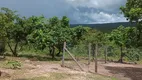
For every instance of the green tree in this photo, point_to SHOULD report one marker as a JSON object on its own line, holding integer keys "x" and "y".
{"x": 133, "y": 12}
{"x": 51, "y": 33}
{"x": 94, "y": 36}
{"x": 9, "y": 28}
{"x": 78, "y": 34}
{"x": 59, "y": 33}
{"x": 15, "y": 29}
{"x": 123, "y": 38}
{"x": 38, "y": 32}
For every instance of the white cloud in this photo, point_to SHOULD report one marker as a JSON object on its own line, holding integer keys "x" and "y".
{"x": 99, "y": 4}
{"x": 99, "y": 17}
{"x": 106, "y": 18}
{"x": 79, "y": 11}
{"x": 98, "y": 11}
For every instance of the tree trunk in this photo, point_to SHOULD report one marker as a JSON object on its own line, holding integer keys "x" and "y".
{"x": 2, "y": 47}
{"x": 139, "y": 34}
{"x": 50, "y": 50}
{"x": 60, "y": 48}
{"x": 15, "y": 49}
{"x": 121, "y": 55}
{"x": 58, "y": 54}
{"x": 14, "y": 52}
{"x": 53, "y": 52}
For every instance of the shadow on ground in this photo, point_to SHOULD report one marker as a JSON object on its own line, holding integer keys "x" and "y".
{"x": 34, "y": 57}
{"x": 40, "y": 58}
{"x": 130, "y": 72}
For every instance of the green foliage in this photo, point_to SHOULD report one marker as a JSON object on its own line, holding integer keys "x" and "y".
{"x": 118, "y": 36}
{"x": 133, "y": 54}
{"x": 124, "y": 37}
{"x": 42, "y": 33}
{"x": 38, "y": 34}
{"x": 93, "y": 36}
{"x": 105, "y": 27}
{"x": 7, "y": 25}
{"x": 6, "y": 20}
{"x": 133, "y": 12}
{"x": 51, "y": 33}
{"x": 37, "y": 31}
{"x": 78, "y": 34}
{"x": 14, "y": 64}
{"x": 14, "y": 28}
{"x": 79, "y": 50}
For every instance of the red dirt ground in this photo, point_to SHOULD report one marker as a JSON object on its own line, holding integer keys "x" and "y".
{"x": 36, "y": 68}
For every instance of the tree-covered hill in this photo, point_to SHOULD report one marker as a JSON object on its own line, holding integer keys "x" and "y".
{"x": 106, "y": 27}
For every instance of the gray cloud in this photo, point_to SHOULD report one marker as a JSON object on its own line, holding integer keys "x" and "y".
{"x": 79, "y": 11}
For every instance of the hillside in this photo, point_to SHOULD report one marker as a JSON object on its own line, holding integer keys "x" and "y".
{"x": 107, "y": 27}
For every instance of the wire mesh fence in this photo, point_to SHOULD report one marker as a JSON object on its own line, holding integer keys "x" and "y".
{"x": 85, "y": 55}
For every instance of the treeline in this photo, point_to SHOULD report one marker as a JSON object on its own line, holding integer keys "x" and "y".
{"x": 106, "y": 27}
{"x": 39, "y": 32}
{"x": 42, "y": 33}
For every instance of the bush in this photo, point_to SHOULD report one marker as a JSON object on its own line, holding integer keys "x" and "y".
{"x": 14, "y": 64}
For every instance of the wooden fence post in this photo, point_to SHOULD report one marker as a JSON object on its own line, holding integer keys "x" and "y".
{"x": 93, "y": 52}
{"x": 96, "y": 62}
{"x": 74, "y": 59}
{"x": 63, "y": 57}
{"x": 89, "y": 53}
{"x": 106, "y": 54}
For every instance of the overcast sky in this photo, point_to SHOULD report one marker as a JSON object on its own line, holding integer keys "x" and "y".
{"x": 79, "y": 11}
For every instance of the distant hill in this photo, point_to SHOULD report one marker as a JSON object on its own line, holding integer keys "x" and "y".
{"x": 106, "y": 27}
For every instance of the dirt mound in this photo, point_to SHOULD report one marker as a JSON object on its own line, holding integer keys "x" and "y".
{"x": 4, "y": 74}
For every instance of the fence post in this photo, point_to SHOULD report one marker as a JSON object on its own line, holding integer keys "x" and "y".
{"x": 89, "y": 53}
{"x": 74, "y": 59}
{"x": 106, "y": 54}
{"x": 63, "y": 57}
{"x": 93, "y": 52}
{"x": 96, "y": 62}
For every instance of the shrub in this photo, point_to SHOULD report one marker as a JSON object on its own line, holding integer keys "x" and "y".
{"x": 14, "y": 64}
